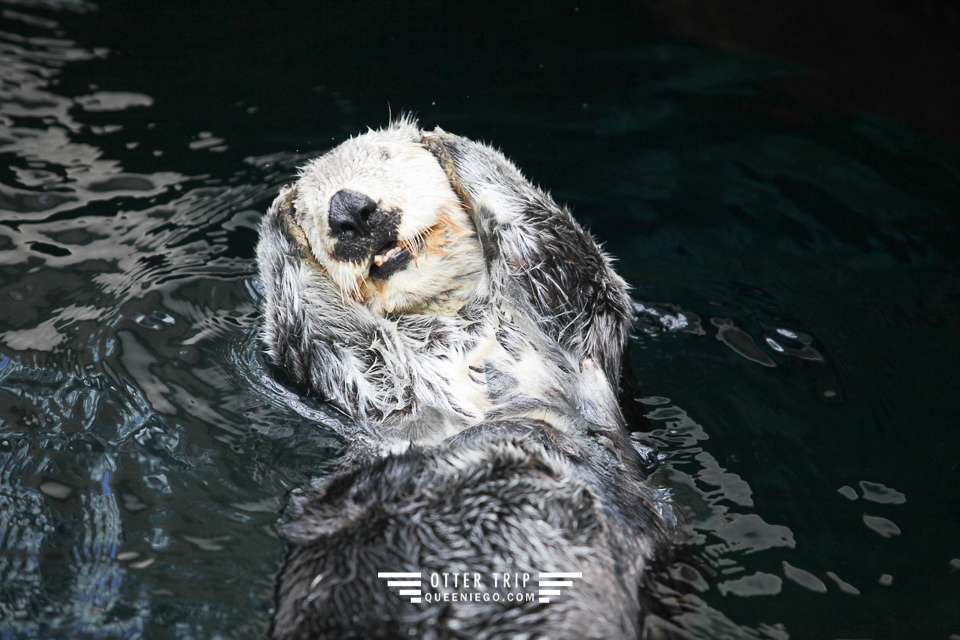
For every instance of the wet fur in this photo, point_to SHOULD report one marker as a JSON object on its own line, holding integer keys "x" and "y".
{"x": 482, "y": 379}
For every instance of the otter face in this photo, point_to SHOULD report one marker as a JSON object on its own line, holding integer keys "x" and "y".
{"x": 380, "y": 216}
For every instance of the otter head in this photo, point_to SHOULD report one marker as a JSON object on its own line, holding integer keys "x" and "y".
{"x": 380, "y": 216}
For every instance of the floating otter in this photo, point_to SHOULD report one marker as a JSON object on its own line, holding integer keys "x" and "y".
{"x": 474, "y": 333}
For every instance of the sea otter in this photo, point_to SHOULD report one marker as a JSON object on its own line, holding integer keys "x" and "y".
{"x": 474, "y": 333}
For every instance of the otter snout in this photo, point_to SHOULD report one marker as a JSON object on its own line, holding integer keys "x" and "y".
{"x": 359, "y": 227}
{"x": 350, "y": 214}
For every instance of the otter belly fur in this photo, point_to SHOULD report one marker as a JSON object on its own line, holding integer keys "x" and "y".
{"x": 474, "y": 333}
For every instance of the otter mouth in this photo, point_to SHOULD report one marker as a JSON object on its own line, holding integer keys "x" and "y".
{"x": 389, "y": 259}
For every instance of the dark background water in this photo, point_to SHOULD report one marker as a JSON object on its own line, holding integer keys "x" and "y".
{"x": 780, "y": 183}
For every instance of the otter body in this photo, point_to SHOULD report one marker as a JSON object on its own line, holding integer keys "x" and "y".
{"x": 474, "y": 332}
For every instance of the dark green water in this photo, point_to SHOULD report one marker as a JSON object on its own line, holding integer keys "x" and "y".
{"x": 797, "y": 265}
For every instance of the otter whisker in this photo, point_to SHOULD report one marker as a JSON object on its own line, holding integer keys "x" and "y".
{"x": 445, "y": 220}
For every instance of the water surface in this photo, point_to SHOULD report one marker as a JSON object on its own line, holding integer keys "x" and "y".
{"x": 796, "y": 269}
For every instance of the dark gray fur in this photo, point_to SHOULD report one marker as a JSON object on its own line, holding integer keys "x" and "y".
{"x": 503, "y": 493}
{"x": 543, "y": 260}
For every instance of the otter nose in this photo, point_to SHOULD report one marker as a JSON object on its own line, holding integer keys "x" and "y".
{"x": 349, "y": 213}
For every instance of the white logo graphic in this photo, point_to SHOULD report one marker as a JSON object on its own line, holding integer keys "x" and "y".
{"x": 409, "y": 583}
{"x": 548, "y": 583}
{"x": 474, "y": 587}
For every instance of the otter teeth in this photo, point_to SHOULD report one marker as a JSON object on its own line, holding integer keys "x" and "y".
{"x": 380, "y": 258}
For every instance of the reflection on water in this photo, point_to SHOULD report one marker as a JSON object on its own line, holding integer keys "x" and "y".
{"x": 136, "y": 499}
{"x": 806, "y": 334}
{"x": 63, "y": 528}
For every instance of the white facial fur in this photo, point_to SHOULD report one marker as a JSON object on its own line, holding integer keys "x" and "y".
{"x": 391, "y": 167}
